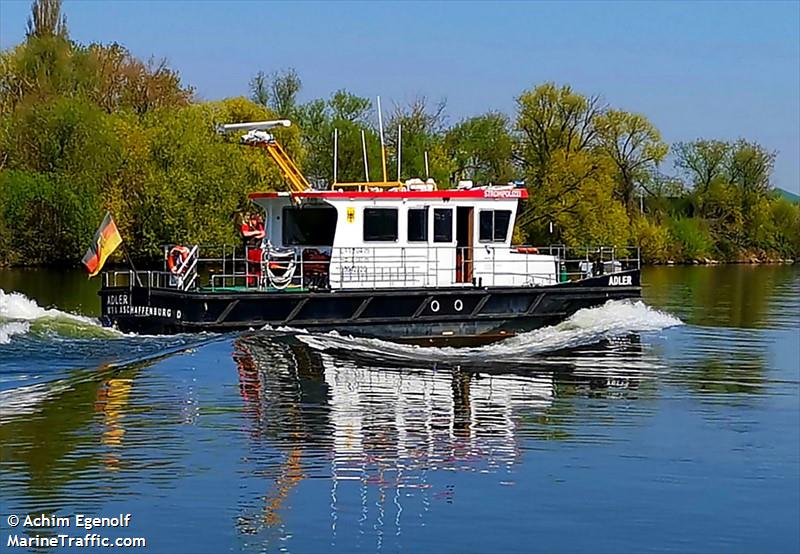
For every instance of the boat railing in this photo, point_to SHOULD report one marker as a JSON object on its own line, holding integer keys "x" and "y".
{"x": 225, "y": 267}
{"x": 581, "y": 262}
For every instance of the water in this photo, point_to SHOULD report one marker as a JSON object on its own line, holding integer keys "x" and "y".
{"x": 663, "y": 426}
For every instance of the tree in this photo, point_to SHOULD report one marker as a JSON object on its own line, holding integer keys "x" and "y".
{"x": 277, "y": 91}
{"x": 349, "y": 115}
{"x": 422, "y": 128}
{"x": 703, "y": 161}
{"x": 750, "y": 167}
{"x": 259, "y": 89}
{"x": 349, "y": 107}
{"x": 121, "y": 81}
{"x": 550, "y": 119}
{"x": 480, "y": 149}
{"x": 46, "y": 20}
{"x": 634, "y": 144}
{"x": 577, "y": 198}
{"x": 556, "y": 138}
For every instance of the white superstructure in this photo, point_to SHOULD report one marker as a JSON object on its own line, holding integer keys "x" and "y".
{"x": 408, "y": 238}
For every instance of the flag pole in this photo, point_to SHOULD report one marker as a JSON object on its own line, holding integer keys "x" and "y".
{"x": 130, "y": 261}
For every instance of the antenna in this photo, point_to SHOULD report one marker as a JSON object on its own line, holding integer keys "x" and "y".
{"x": 399, "y": 149}
{"x": 253, "y": 126}
{"x": 427, "y": 169}
{"x": 335, "y": 154}
{"x": 383, "y": 144}
{"x": 364, "y": 148}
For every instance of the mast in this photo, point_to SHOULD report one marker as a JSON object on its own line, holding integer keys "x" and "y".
{"x": 335, "y": 155}
{"x": 399, "y": 149}
{"x": 364, "y": 148}
{"x": 383, "y": 144}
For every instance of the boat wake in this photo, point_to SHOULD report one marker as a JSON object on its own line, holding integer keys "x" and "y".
{"x": 586, "y": 327}
{"x": 19, "y": 315}
{"x": 40, "y": 345}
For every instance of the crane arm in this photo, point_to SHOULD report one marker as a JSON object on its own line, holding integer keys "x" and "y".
{"x": 257, "y": 135}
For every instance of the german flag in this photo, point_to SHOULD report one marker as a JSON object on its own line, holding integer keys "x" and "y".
{"x": 106, "y": 240}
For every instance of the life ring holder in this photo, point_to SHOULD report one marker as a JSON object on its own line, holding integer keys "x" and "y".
{"x": 176, "y": 259}
{"x": 273, "y": 259}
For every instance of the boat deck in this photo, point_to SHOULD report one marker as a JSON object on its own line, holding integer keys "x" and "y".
{"x": 245, "y": 288}
{"x": 226, "y": 270}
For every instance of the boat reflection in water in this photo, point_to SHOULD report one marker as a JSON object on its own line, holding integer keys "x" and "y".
{"x": 385, "y": 432}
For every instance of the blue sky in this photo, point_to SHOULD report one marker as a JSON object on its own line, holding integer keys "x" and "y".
{"x": 696, "y": 69}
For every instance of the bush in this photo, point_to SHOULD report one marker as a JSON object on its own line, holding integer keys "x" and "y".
{"x": 653, "y": 239}
{"x": 691, "y": 239}
{"x": 46, "y": 220}
{"x": 785, "y": 217}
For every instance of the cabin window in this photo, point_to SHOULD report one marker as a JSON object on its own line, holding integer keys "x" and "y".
{"x": 418, "y": 225}
{"x": 380, "y": 224}
{"x": 443, "y": 225}
{"x": 493, "y": 225}
{"x": 309, "y": 226}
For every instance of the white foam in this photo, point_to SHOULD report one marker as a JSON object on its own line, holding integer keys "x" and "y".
{"x": 17, "y": 306}
{"x": 20, "y": 315}
{"x": 11, "y": 328}
{"x": 585, "y": 327}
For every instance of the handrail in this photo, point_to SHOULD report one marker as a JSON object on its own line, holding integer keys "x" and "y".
{"x": 388, "y": 266}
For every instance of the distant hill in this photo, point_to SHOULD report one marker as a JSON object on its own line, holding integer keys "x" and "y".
{"x": 790, "y": 196}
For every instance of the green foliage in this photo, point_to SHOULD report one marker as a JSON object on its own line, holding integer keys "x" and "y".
{"x": 576, "y": 196}
{"x": 84, "y": 129}
{"x": 349, "y": 115}
{"x": 635, "y": 147}
{"x": 551, "y": 119}
{"x": 44, "y": 219}
{"x": 66, "y": 135}
{"x": 785, "y": 217}
{"x": 46, "y": 19}
{"x": 423, "y": 127}
{"x": 703, "y": 161}
{"x": 277, "y": 91}
{"x": 691, "y": 239}
{"x": 653, "y": 239}
{"x": 480, "y": 149}
{"x": 186, "y": 184}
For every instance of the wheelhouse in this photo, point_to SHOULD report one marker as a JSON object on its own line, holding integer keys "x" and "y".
{"x": 406, "y": 238}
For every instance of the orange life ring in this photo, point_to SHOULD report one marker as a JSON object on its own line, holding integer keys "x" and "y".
{"x": 177, "y": 255}
{"x": 527, "y": 250}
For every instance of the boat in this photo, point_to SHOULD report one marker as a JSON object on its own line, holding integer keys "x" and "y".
{"x": 398, "y": 260}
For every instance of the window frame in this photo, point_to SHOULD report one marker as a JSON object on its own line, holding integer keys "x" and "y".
{"x": 380, "y": 209}
{"x": 450, "y": 232}
{"x": 425, "y": 216}
{"x": 494, "y": 238}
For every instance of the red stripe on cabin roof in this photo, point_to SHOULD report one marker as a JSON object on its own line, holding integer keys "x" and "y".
{"x": 491, "y": 194}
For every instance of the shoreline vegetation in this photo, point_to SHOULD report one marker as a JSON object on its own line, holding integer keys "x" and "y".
{"x": 90, "y": 128}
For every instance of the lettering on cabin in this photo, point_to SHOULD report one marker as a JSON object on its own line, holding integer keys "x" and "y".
{"x": 506, "y": 193}
{"x": 620, "y": 280}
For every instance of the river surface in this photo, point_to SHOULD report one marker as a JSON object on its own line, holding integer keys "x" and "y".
{"x": 668, "y": 425}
